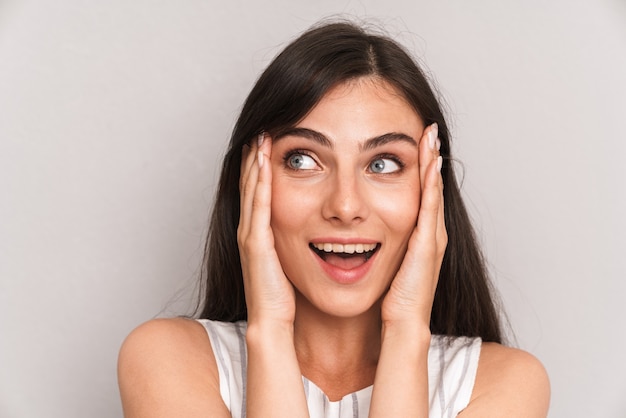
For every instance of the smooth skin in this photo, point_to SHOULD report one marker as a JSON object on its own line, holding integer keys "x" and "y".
{"x": 343, "y": 337}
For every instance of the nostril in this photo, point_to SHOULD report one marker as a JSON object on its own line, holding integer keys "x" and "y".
{"x": 345, "y": 201}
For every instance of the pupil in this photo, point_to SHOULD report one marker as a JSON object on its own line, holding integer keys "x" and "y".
{"x": 378, "y": 166}
{"x": 296, "y": 161}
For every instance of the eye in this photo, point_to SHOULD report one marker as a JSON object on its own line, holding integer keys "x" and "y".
{"x": 384, "y": 166}
{"x": 298, "y": 161}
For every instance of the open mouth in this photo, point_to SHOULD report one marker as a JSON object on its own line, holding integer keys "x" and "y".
{"x": 345, "y": 256}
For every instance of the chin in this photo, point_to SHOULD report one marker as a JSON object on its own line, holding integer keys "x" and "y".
{"x": 341, "y": 303}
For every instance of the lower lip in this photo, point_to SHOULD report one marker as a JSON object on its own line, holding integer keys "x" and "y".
{"x": 343, "y": 276}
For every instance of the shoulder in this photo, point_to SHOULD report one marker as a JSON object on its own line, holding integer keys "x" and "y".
{"x": 179, "y": 327}
{"x": 176, "y": 339}
{"x": 510, "y": 381}
{"x": 165, "y": 365}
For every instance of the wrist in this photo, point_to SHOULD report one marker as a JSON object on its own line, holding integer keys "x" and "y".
{"x": 259, "y": 331}
{"x": 408, "y": 331}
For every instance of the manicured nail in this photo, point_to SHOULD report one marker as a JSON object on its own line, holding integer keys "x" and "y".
{"x": 261, "y": 138}
{"x": 432, "y": 135}
{"x": 439, "y": 163}
{"x": 438, "y": 144}
{"x": 260, "y": 157}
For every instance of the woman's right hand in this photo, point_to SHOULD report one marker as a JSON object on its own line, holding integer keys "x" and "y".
{"x": 274, "y": 382}
{"x": 269, "y": 294}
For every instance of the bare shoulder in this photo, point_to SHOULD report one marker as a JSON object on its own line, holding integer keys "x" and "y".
{"x": 166, "y": 368}
{"x": 177, "y": 340}
{"x": 509, "y": 383}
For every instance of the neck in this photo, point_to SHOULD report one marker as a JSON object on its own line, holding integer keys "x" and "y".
{"x": 338, "y": 354}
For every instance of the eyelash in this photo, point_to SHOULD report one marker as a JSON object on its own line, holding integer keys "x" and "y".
{"x": 287, "y": 156}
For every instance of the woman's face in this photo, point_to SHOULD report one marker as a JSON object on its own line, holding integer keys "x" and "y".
{"x": 345, "y": 195}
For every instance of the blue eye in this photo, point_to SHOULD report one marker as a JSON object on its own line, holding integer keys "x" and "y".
{"x": 384, "y": 166}
{"x": 300, "y": 162}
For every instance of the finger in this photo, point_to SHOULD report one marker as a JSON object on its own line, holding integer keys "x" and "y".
{"x": 428, "y": 228}
{"x": 442, "y": 233}
{"x": 244, "y": 170}
{"x": 247, "y": 196}
{"x": 262, "y": 199}
{"x": 247, "y": 186}
{"x": 421, "y": 263}
{"x": 247, "y": 160}
{"x": 441, "y": 224}
{"x": 428, "y": 146}
{"x": 429, "y": 213}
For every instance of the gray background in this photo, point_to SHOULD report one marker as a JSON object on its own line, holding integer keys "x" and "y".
{"x": 114, "y": 116}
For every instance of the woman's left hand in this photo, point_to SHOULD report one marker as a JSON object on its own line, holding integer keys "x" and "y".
{"x": 411, "y": 294}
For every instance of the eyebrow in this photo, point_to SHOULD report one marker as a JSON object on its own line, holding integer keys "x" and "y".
{"x": 378, "y": 141}
{"x": 369, "y": 144}
{"x": 305, "y": 133}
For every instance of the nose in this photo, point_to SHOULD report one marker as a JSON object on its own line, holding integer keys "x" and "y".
{"x": 345, "y": 201}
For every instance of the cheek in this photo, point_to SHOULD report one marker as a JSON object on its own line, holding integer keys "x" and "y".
{"x": 399, "y": 209}
{"x": 291, "y": 208}
{"x": 292, "y": 211}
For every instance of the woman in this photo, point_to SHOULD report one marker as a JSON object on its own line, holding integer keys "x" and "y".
{"x": 342, "y": 277}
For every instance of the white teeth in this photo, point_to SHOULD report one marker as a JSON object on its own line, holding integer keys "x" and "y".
{"x": 344, "y": 248}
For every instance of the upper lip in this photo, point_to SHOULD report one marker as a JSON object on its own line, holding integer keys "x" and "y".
{"x": 337, "y": 240}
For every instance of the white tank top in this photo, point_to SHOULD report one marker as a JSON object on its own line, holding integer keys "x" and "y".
{"x": 452, "y": 364}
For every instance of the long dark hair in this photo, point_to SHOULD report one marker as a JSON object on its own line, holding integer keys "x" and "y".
{"x": 290, "y": 87}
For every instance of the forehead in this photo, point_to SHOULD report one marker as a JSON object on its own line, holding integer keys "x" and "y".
{"x": 363, "y": 108}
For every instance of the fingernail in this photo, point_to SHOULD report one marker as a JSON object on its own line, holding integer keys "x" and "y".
{"x": 432, "y": 135}
{"x": 260, "y": 157}
{"x": 438, "y": 144}
{"x": 439, "y": 163}
{"x": 261, "y": 138}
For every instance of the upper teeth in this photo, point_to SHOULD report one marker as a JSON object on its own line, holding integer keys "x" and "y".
{"x": 344, "y": 248}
